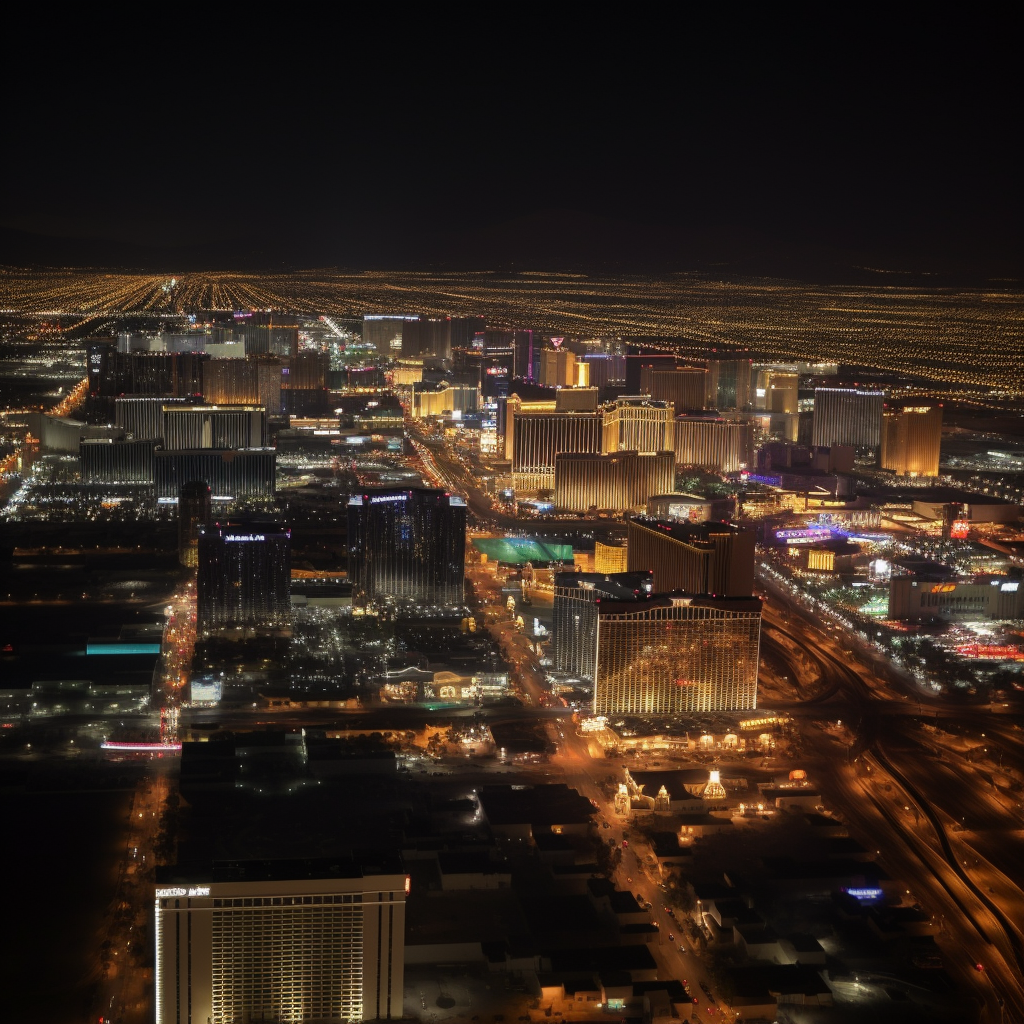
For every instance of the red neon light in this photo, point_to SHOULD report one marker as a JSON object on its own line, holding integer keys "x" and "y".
{"x": 993, "y": 651}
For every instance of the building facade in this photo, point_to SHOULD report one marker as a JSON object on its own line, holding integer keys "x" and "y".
{"x": 698, "y": 558}
{"x": 176, "y": 374}
{"x": 427, "y": 337}
{"x": 250, "y": 381}
{"x": 244, "y": 580}
{"x": 407, "y": 545}
{"x": 777, "y": 391}
{"x": 558, "y": 368}
{"x": 609, "y": 558}
{"x": 686, "y": 387}
{"x": 230, "y": 473}
{"x": 384, "y": 332}
{"x": 639, "y": 424}
{"x": 847, "y": 416}
{"x": 141, "y": 417}
{"x": 532, "y": 439}
{"x": 733, "y": 383}
{"x": 676, "y": 654}
{"x": 959, "y": 600}
{"x": 103, "y": 461}
{"x": 911, "y": 439}
{"x": 710, "y": 442}
{"x": 575, "y": 613}
{"x": 284, "y": 941}
{"x": 619, "y": 482}
{"x": 430, "y": 400}
{"x": 214, "y": 426}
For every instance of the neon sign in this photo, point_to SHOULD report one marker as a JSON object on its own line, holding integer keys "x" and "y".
{"x": 195, "y": 890}
{"x": 805, "y": 536}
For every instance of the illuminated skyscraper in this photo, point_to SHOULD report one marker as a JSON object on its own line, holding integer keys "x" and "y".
{"x": 532, "y": 439}
{"x": 430, "y": 400}
{"x": 213, "y": 426}
{"x": 676, "y": 653}
{"x": 384, "y": 332}
{"x": 142, "y": 416}
{"x": 609, "y": 558}
{"x": 619, "y": 482}
{"x": 497, "y": 363}
{"x": 104, "y": 461}
{"x": 527, "y": 346}
{"x": 639, "y": 424}
{"x": 698, "y": 558}
{"x": 255, "y": 380}
{"x": 711, "y": 442}
{"x": 575, "y": 613}
{"x": 911, "y": 439}
{"x": 847, "y": 416}
{"x": 244, "y": 580}
{"x": 231, "y": 473}
{"x": 558, "y": 368}
{"x": 280, "y": 941}
{"x": 407, "y": 545}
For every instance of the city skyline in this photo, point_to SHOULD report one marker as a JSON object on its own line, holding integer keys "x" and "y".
{"x": 512, "y": 516}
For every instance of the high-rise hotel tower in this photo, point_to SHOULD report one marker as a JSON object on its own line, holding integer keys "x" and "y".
{"x": 407, "y": 544}
{"x": 847, "y": 416}
{"x": 283, "y": 941}
{"x": 676, "y": 653}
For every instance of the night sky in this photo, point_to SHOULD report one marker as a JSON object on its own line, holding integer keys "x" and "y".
{"x": 606, "y": 138}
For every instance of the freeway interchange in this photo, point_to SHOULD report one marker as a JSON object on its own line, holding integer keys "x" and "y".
{"x": 924, "y": 804}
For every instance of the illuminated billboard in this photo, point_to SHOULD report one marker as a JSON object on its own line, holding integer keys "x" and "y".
{"x": 206, "y": 690}
{"x": 807, "y": 535}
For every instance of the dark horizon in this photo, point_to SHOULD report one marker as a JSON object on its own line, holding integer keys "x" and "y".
{"x": 836, "y": 153}
{"x": 585, "y": 245}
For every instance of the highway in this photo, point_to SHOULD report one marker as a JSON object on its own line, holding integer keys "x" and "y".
{"x": 882, "y": 778}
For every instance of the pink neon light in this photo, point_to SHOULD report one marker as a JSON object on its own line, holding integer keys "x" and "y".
{"x": 155, "y": 748}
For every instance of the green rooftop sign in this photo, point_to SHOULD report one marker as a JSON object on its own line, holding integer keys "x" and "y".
{"x": 520, "y": 550}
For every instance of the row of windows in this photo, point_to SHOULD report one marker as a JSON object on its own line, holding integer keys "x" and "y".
{"x": 286, "y": 901}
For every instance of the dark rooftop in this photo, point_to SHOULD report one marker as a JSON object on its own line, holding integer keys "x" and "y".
{"x": 604, "y": 958}
{"x": 357, "y": 866}
{"x": 551, "y": 804}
